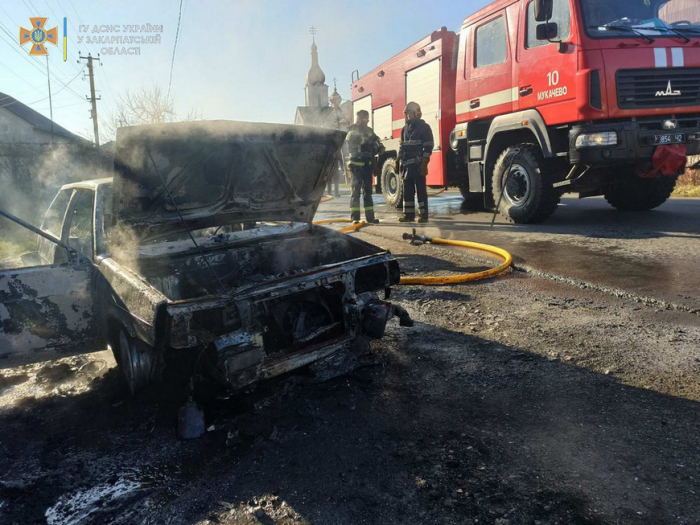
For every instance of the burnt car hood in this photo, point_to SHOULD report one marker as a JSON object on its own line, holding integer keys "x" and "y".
{"x": 210, "y": 173}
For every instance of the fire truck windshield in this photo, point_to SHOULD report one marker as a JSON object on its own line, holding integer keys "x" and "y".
{"x": 641, "y": 18}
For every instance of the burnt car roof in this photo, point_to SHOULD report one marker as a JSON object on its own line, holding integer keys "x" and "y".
{"x": 209, "y": 173}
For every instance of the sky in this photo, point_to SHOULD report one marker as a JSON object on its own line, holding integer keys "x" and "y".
{"x": 237, "y": 60}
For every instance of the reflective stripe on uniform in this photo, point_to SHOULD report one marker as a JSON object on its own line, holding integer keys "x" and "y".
{"x": 416, "y": 142}
{"x": 408, "y": 162}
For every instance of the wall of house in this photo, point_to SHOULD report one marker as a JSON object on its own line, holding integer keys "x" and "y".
{"x": 14, "y": 129}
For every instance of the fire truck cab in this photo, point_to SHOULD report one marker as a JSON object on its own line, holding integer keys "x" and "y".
{"x": 551, "y": 96}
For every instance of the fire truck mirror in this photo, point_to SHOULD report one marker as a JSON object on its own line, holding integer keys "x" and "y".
{"x": 543, "y": 10}
{"x": 548, "y": 31}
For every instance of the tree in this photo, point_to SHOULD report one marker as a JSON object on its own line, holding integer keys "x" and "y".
{"x": 147, "y": 105}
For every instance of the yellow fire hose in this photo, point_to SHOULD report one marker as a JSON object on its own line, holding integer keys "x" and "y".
{"x": 436, "y": 280}
{"x": 347, "y": 229}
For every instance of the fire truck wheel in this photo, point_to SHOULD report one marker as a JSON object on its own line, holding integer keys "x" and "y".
{"x": 528, "y": 194}
{"x": 634, "y": 193}
{"x": 392, "y": 187}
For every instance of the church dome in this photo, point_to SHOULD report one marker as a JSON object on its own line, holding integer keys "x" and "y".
{"x": 335, "y": 98}
{"x": 315, "y": 74}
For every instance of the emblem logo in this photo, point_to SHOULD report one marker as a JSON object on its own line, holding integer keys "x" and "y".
{"x": 38, "y": 35}
{"x": 670, "y": 92}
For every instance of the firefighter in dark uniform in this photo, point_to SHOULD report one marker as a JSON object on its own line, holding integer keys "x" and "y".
{"x": 363, "y": 145}
{"x": 414, "y": 156}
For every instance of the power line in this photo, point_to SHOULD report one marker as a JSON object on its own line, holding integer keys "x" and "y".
{"x": 45, "y": 98}
{"x": 172, "y": 61}
{"x": 17, "y": 25}
{"x": 34, "y": 64}
{"x": 76, "y": 12}
{"x": 73, "y": 58}
{"x": 33, "y": 8}
{"x": 21, "y": 78}
{"x": 66, "y": 106}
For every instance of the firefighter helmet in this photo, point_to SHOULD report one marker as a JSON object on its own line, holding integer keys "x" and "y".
{"x": 413, "y": 107}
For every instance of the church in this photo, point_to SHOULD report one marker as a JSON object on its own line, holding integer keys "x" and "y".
{"x": 322, "y": 111}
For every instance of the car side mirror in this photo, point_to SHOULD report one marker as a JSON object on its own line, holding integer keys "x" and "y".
{"x": 549, "y": 31}
{"x": 543, "y": 10}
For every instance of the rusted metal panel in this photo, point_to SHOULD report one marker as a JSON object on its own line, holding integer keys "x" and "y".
{"x": 45, "y": 308}
{"x": 128, "y": 299}
{"x": 219, "y": 172}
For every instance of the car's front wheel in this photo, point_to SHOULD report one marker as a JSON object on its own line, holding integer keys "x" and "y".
{"x": 137, "y": 360}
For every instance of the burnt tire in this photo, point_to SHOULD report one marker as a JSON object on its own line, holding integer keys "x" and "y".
{"x": 392, "y": 186}
{"x": 528, "y": 192}
{"x": 634, "y": 193}
{"x": 138, "y": 362}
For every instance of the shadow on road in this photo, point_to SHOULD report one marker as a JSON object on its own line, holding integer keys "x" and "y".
{"x": 592, "y": 218}
{"x": 443, "y": 427}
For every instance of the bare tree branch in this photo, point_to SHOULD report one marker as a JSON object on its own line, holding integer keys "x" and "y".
{"x": 147, "y": 105}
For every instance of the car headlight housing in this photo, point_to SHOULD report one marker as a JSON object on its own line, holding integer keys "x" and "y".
{"x": 593, "y": 140}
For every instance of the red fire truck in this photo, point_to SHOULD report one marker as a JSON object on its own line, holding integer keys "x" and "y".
{"x": 535, "y": 98}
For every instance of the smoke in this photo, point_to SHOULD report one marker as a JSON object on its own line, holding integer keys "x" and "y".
{"x": 32, "y": 174}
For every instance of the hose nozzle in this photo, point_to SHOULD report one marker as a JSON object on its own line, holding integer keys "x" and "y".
{"x": 415, "y": 238}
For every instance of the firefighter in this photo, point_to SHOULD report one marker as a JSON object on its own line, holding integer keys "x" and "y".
{"x": 414, "y": 156}
{"x": 363, "y": 145}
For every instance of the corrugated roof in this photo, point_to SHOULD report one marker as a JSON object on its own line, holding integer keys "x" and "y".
{"x": 36, "y": 119}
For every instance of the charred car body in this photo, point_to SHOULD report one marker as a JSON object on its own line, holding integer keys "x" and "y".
{"x": 201, "y": 246}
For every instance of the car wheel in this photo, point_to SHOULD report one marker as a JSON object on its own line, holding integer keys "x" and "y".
{"x": 392, "y": 185}
{"x": 136, "y": 360}
{"x": 528, "y": 193}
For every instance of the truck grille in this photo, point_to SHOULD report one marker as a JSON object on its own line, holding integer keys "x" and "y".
{"x": 658, "y": 88}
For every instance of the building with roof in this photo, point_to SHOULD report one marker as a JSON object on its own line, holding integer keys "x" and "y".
{"x": 38, "y": 156}
{"x": 20, "y": 124}
{"x": 322, "y": 111}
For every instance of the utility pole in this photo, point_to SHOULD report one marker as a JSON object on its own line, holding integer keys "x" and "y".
{"x": 48, "y": 76}
{"x": 92, "y": 97}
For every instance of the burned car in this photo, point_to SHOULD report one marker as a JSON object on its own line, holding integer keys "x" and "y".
{"x": 201, "y": 247}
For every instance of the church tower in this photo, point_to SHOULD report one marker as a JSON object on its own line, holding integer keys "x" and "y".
{"x": 316, "y": 88}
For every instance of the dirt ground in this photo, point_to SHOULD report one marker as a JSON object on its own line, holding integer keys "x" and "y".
{"x": 520, "y": 400}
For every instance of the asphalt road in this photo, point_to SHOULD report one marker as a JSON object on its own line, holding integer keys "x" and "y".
{"x": 650, "y": 254}
{"x": 529, "y": 398}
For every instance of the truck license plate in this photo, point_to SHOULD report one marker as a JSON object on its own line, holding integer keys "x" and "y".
{"x": 671, "y": 138}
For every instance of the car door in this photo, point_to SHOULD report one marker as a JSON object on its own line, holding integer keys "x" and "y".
{"x": 46, "y": 307}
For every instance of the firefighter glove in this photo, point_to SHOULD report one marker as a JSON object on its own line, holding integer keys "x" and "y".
{"x": 424, "y": 167}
